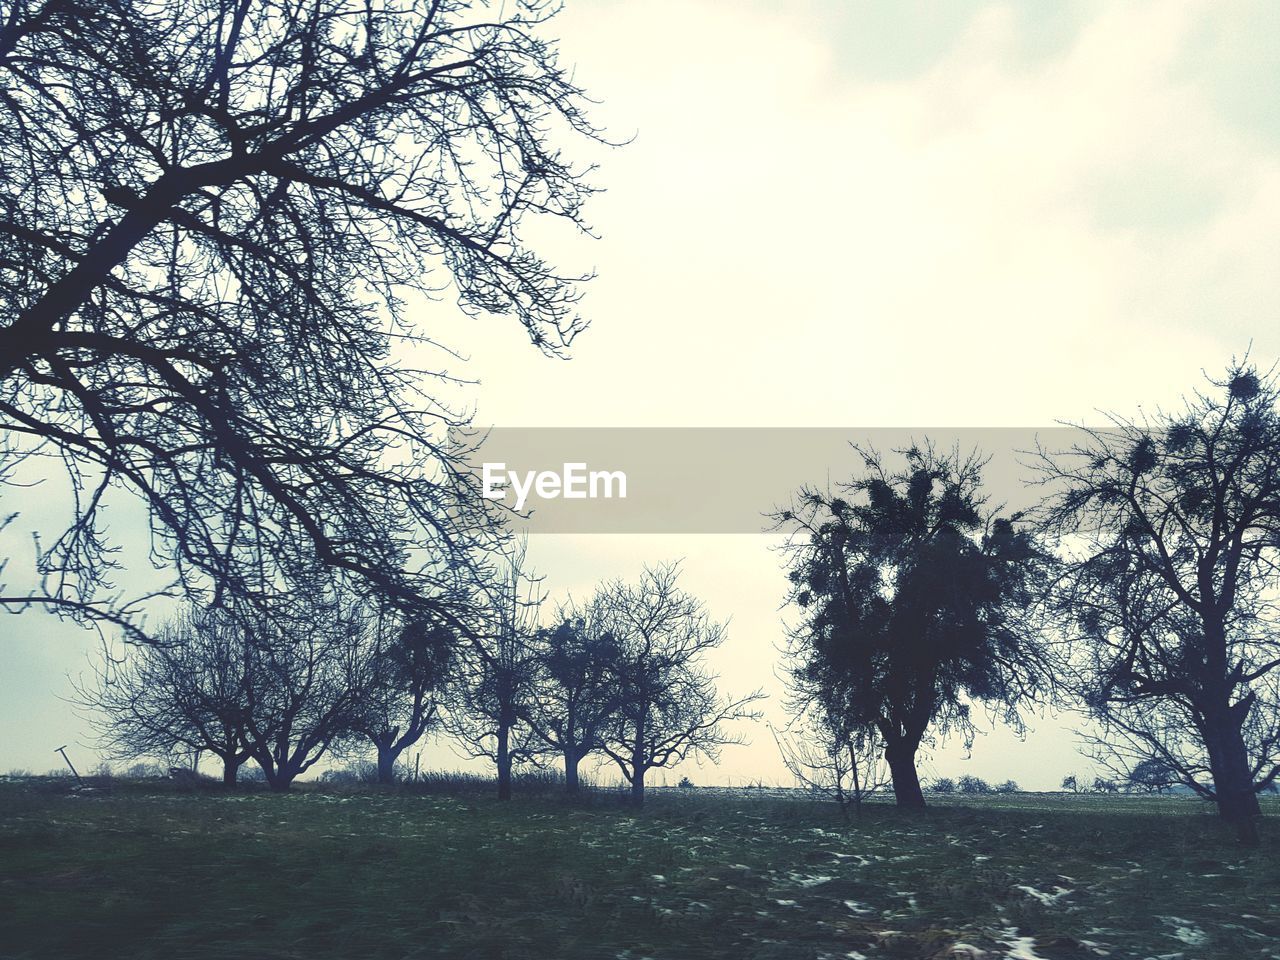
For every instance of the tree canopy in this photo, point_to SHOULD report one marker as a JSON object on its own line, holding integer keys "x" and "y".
{"x": 215, "y": 214}
{"x": 1171, "y": 530}
{"x": 915, "y": 603}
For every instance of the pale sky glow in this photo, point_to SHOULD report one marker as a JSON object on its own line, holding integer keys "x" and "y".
{"x": 856, "y": 214}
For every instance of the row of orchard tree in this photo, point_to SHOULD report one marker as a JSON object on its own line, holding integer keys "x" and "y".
{"x": 1143, "y": 587}
{"x": 323, "y": 671}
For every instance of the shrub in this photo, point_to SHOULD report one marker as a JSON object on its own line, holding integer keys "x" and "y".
{"x": 1152, "y": 775}
{"x": 1009, "y": 786}
{"x": 972, "y": 784}
{"x": 145, "y": 771}
{"x": 943, "y": 785}
{"x": 358, "y": 772}
{"x": 686, "y": 783}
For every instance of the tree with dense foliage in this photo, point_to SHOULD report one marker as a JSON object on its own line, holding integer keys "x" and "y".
{"x": 1151, "y": 776}
{"x": 668, "y": 706}
{"x": 1171, "y": 525}
{"x": 915, "y": 602}
{"x": 573, "y": 696}
{"x": 215, "y": 217}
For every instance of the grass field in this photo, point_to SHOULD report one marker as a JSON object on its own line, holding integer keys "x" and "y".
{"x": 143, "y": 870}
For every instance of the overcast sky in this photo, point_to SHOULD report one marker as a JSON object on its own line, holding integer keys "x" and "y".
{"x": 858, "y": 215}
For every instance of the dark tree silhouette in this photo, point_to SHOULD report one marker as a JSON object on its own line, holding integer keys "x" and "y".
{"x": 914, "y": 603}
{"x": 403, "y": 670}
{"x": 573, "y": 696}
{"x": 668, "y": 706}
{"x": 1172, "y": 527}
{"x": 1151, "y": 776}
{"x": 186, "y": 692}
{"x": 303, "y": 676}
{"x": 213, "y": 214}
{"x": 488, "y": 700}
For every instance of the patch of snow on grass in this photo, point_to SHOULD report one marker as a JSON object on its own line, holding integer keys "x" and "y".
{"x": 1020, "y": 948}
{"x": 1048, "y": 899}
{"x": 802, "y": 880}
{"x": 1186, "y": 931}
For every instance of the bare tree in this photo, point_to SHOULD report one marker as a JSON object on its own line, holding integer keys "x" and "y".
{"x": 403, "y": 669}
{"x": 828, "y": 758}
{"x": 214, "y": 214}
{"x": 188, "y": 691}
{"x": 668, "y": 706}
{"x": 488, "y": 699}
{"x": 1139, "y": 747}
{"x": 1172, "y": 525}
{"x": 303, "y": 677}
{"x": 573, "y": 697}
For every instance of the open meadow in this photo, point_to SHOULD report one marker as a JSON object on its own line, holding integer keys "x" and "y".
{"x": 145, "y": 869}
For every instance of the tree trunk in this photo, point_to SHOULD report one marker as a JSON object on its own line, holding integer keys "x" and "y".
{"x": 279, "y": 776}
{"x": 230, "y": 767}
{"x": 1232, "y": 781}
{"x": 504, "y": 762}
{"x": 638, "y": 767}
{"x": 900, "y": 754}
{"x": 857, "y": 785}
{"x": 637, "y": 787}
{"x": 571, "y": 759}
{"x": 386, "y": 764}
{"x": 279, "y": 782}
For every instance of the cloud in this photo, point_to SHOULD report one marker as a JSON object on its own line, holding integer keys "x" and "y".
{"x": 790, "y": 241}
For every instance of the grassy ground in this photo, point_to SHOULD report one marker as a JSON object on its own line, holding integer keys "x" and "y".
{"x": 146, "y": 871}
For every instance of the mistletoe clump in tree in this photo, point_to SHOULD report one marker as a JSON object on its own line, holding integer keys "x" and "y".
{"x": 1171, "y": 526}
{"x": 916, "y": 602}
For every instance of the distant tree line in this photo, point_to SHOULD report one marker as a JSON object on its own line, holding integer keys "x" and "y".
{"x": 622, "y": 677}
{"x": 1143, "y": 588}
